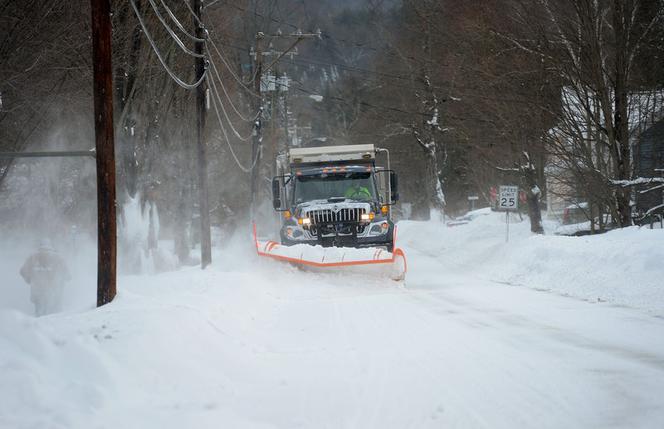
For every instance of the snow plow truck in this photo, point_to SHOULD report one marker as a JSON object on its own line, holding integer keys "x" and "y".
{"x": 335, "y": 204}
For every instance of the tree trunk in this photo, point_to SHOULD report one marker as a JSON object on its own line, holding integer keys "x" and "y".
{"x": 533, "y": 194}
{"x": 621, "y": 120}
{"x": 433, "y": 183}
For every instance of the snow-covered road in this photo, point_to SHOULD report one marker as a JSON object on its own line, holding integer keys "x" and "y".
{"x": 258, "y": 344}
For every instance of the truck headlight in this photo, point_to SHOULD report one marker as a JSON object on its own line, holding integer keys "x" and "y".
{"x": 304, "y": 221}
{"x": 367, "y": 217}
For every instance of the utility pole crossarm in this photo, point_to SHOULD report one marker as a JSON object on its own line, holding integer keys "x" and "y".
{"x": 282, "y": 54}
{"x": 298, "y": 34}
{"x": 56, "y": 154}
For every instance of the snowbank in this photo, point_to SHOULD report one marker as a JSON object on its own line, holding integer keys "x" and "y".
{"x": 623, "y": 267}
{"x": 152, "y": 358}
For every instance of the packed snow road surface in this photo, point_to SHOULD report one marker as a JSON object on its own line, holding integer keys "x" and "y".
{"x": 269, "y": 346}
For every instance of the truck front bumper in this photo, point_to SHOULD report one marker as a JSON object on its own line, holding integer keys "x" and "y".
{"x": 342, "y": 240}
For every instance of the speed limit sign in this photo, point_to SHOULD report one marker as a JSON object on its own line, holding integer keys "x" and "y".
{"x": 508, "y": 198}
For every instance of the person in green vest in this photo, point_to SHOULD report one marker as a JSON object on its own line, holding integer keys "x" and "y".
{"x": 358, "y": 192}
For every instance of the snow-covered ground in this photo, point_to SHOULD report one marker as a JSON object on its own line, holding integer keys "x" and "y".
{"x": 480, "y": 335}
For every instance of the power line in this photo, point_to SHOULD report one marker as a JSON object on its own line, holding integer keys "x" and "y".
{"x": 218, "y": 50}
{"x": 177, "y": 23}
{"x": 357, "y": 69}
{"x": 360, "y": 70}
{"x": 348, "y": 68}
{"x": 366, "y": 104}
{"x": 326, "y": 36}
{"x": 172, "y": 33}
{"x": 364, "y": 71}
{"x": 223, "y": 109}
{"x": 264, "y": 17}
{"x": 390, "y": 108}
{"x": 342, "y": 66}
{"x": 228, "y": 143}
{"x": 223, "y": 87}
{"x": 348, "y": 42}
{"x": 173, "y": 76}
{"x": 198, "y": 20}
{"x": 230, "y": 69}
{"x": 395, "y": 109}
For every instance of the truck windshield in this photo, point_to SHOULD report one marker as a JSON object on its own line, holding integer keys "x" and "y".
{"x": 355, "y": 186}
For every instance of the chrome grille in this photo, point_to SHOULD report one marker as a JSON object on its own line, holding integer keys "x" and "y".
{"x": 327, "y": 216}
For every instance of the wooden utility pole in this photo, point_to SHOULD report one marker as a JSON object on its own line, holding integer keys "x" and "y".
{"x": 206, "y": 242}
{"x": 258, "y": 134}
{"x": 104, "y": 145}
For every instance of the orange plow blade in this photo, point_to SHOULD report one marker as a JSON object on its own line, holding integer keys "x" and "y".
{"x": 372, "y": 260}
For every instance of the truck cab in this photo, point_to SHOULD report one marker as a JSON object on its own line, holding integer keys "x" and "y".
{"x": 336, "y": 196}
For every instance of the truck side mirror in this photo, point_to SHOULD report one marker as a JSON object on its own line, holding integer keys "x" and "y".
{"x": 276, "y": 194}
{"x": 394, "y": 187}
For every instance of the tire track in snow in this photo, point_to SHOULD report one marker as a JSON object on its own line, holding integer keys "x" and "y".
{"x": 500, "y": 320}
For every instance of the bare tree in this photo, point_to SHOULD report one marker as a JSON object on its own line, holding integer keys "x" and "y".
{"x": 595, "y": 46}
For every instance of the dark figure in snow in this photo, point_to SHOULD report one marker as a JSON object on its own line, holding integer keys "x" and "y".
{"x": 46, "y": 273}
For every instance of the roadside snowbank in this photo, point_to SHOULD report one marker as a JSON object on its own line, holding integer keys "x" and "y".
{"x": 170, "y": 344}
{"x": 623, "y": 267}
